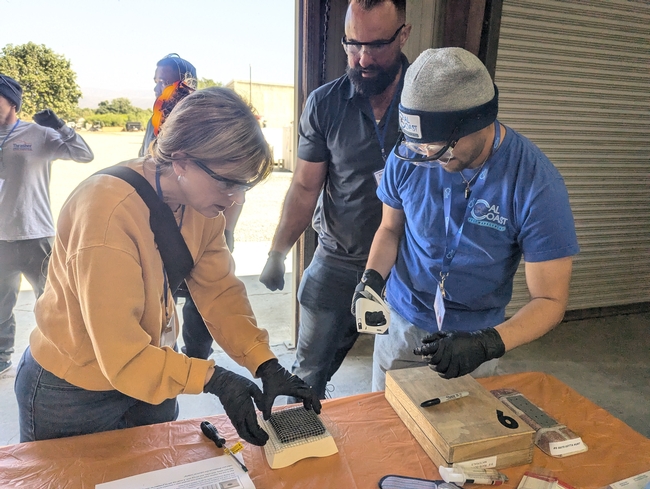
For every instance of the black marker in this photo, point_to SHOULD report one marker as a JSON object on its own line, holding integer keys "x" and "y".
{"x": 440, "y": 400}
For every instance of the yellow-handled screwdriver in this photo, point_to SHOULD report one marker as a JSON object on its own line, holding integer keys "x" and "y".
{"x": 211, "y": 432}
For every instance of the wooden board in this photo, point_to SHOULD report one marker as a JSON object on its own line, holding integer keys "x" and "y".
{"x": 462, "y": 430}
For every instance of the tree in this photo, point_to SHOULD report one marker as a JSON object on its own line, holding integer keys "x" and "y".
{"x": 116, "y": 106}
{"x": 46, "y": 77}
{"x": 207, "y": 82}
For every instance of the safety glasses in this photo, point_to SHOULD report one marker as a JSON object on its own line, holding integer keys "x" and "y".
{"x": 226, "y": 185}
{"x": 372, "y": 48}
{"x": 425, "y": 154}
{"x": 170, "y": 96}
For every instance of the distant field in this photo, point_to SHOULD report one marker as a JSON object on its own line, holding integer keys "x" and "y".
{"x": 259, "y": 216}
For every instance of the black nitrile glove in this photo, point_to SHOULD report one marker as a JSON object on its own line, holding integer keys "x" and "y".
{"x": 235, "y": 393}
{"x": 273, "y": 274}
{"x": 276, "y": 381}
{"x": 47, "y": 118}
{"x": 370, "y": 278}
{"x": 230, "y": 239}
{"x": 457, "y": 353}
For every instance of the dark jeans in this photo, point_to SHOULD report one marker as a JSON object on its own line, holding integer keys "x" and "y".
{"x": 197, "y": 338}
{"x": 29, "y": 257}
{"x": 327, "y": 327}
{"x": 50, "y": 407}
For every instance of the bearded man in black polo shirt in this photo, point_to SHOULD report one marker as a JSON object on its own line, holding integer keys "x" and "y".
{"x": 346, "y": 130}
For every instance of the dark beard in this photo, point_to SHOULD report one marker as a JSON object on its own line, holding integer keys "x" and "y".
{"x": 378, "y": 83}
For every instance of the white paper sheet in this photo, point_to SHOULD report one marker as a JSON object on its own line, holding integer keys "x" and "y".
{"x": 213, "y": 473}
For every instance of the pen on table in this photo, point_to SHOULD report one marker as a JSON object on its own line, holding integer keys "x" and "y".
{"x": 211, "y": 432}
{"x": 439, "y": 400}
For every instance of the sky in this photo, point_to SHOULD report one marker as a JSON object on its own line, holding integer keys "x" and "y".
{"x": 113, "y": 45}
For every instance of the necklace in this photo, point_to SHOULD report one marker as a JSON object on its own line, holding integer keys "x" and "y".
{"x": 468, "y": 191}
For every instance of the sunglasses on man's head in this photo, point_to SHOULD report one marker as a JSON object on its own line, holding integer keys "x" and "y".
{"x": 170, "y": 96}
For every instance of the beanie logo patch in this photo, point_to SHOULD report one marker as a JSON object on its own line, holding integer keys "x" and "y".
{"x": 410, "y": 125}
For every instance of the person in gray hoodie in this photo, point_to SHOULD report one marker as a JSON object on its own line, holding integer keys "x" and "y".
{"x": 27, "y": 151}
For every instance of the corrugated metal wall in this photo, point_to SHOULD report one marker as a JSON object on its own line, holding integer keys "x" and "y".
{"x": 574, "y": 77}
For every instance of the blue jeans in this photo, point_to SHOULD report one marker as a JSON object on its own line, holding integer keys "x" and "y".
{"x": 29, "y": 257}
{"x": 327, "y": 327}
{"x": 50, "y": 407}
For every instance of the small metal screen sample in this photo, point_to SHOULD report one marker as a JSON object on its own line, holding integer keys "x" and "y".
{"x": 535, "y": 413}
{"x": 295, "y": 424}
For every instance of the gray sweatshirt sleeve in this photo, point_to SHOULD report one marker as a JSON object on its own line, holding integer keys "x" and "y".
{"x": 66, "y": 144}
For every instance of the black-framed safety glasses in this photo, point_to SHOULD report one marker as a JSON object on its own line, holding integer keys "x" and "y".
{"x": 425, "y": 153}
{"x": 373, "y": 47}
{"x": 228, "y": 186}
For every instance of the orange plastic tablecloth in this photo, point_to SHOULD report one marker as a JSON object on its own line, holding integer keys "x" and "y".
{"x": 372, "y": 442}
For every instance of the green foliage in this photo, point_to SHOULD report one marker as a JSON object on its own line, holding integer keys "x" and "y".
{"x": 207, "y": 82}
{"x": 115, "y": 113}
{"x": 116, "y": 106}
{"x": 46, "y": 77}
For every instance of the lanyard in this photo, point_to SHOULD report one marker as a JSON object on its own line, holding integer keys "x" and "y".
{"x": 180, "y": 225}
{"x": 454, "y": 240}
{"x": 7, "y": 136}
{"x": 381, "y": 135}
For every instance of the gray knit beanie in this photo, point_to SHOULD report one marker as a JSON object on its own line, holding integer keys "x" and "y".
{"x": 448, "y": 93}
{"x": 11, "y": 90}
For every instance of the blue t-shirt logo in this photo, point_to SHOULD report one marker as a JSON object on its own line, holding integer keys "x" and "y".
{"x": 484, "y": 214}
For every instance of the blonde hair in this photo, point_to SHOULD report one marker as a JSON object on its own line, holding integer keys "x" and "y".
{"x": 216, "y": 127}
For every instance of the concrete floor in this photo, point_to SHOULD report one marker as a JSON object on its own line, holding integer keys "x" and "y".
{"x": 606, "y": 360}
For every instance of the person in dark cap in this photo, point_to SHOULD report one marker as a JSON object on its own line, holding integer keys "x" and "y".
{"x": 26, "y": 224}
{"x": 169, "y": 70}
{"x": 464, "y": 198}
{"x": 175, "y": 78}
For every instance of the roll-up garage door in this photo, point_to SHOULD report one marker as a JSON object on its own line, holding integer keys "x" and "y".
{"x": 574, "y": 77}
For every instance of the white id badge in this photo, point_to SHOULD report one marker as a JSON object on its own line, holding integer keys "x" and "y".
{"x": 378, "y": 174}
{"x": 2, "y": 183}
{"x": 169, "y": 333}
{"x": 439, "y": 308}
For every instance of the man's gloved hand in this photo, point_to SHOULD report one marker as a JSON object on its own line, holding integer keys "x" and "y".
{"x": 457, "y": 353}
{"x": 273, "y": 274}
{"x": 276, "y": 381}
{"x": 47, "y": 118}
{"x": 230, "y": 239}
{"x": 370, "y": 278}
{"x": 235, "y": 393}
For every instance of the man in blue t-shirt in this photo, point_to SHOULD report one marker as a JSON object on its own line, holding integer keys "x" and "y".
{"x": 464, "y": 198}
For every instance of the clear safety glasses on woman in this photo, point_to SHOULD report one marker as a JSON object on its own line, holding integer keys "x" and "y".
{"x": 226, "y": 185}
{"x": 372, "y": 48}
{"x": 430, "y": 155}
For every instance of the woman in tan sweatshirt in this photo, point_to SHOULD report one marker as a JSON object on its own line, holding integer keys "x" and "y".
{"x": 103, "y": 353}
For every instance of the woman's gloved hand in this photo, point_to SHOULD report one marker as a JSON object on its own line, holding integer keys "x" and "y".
{"x": 235, "y": 393}
{"x": 457, "y": 353}
{"x": 276, "y": 381}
